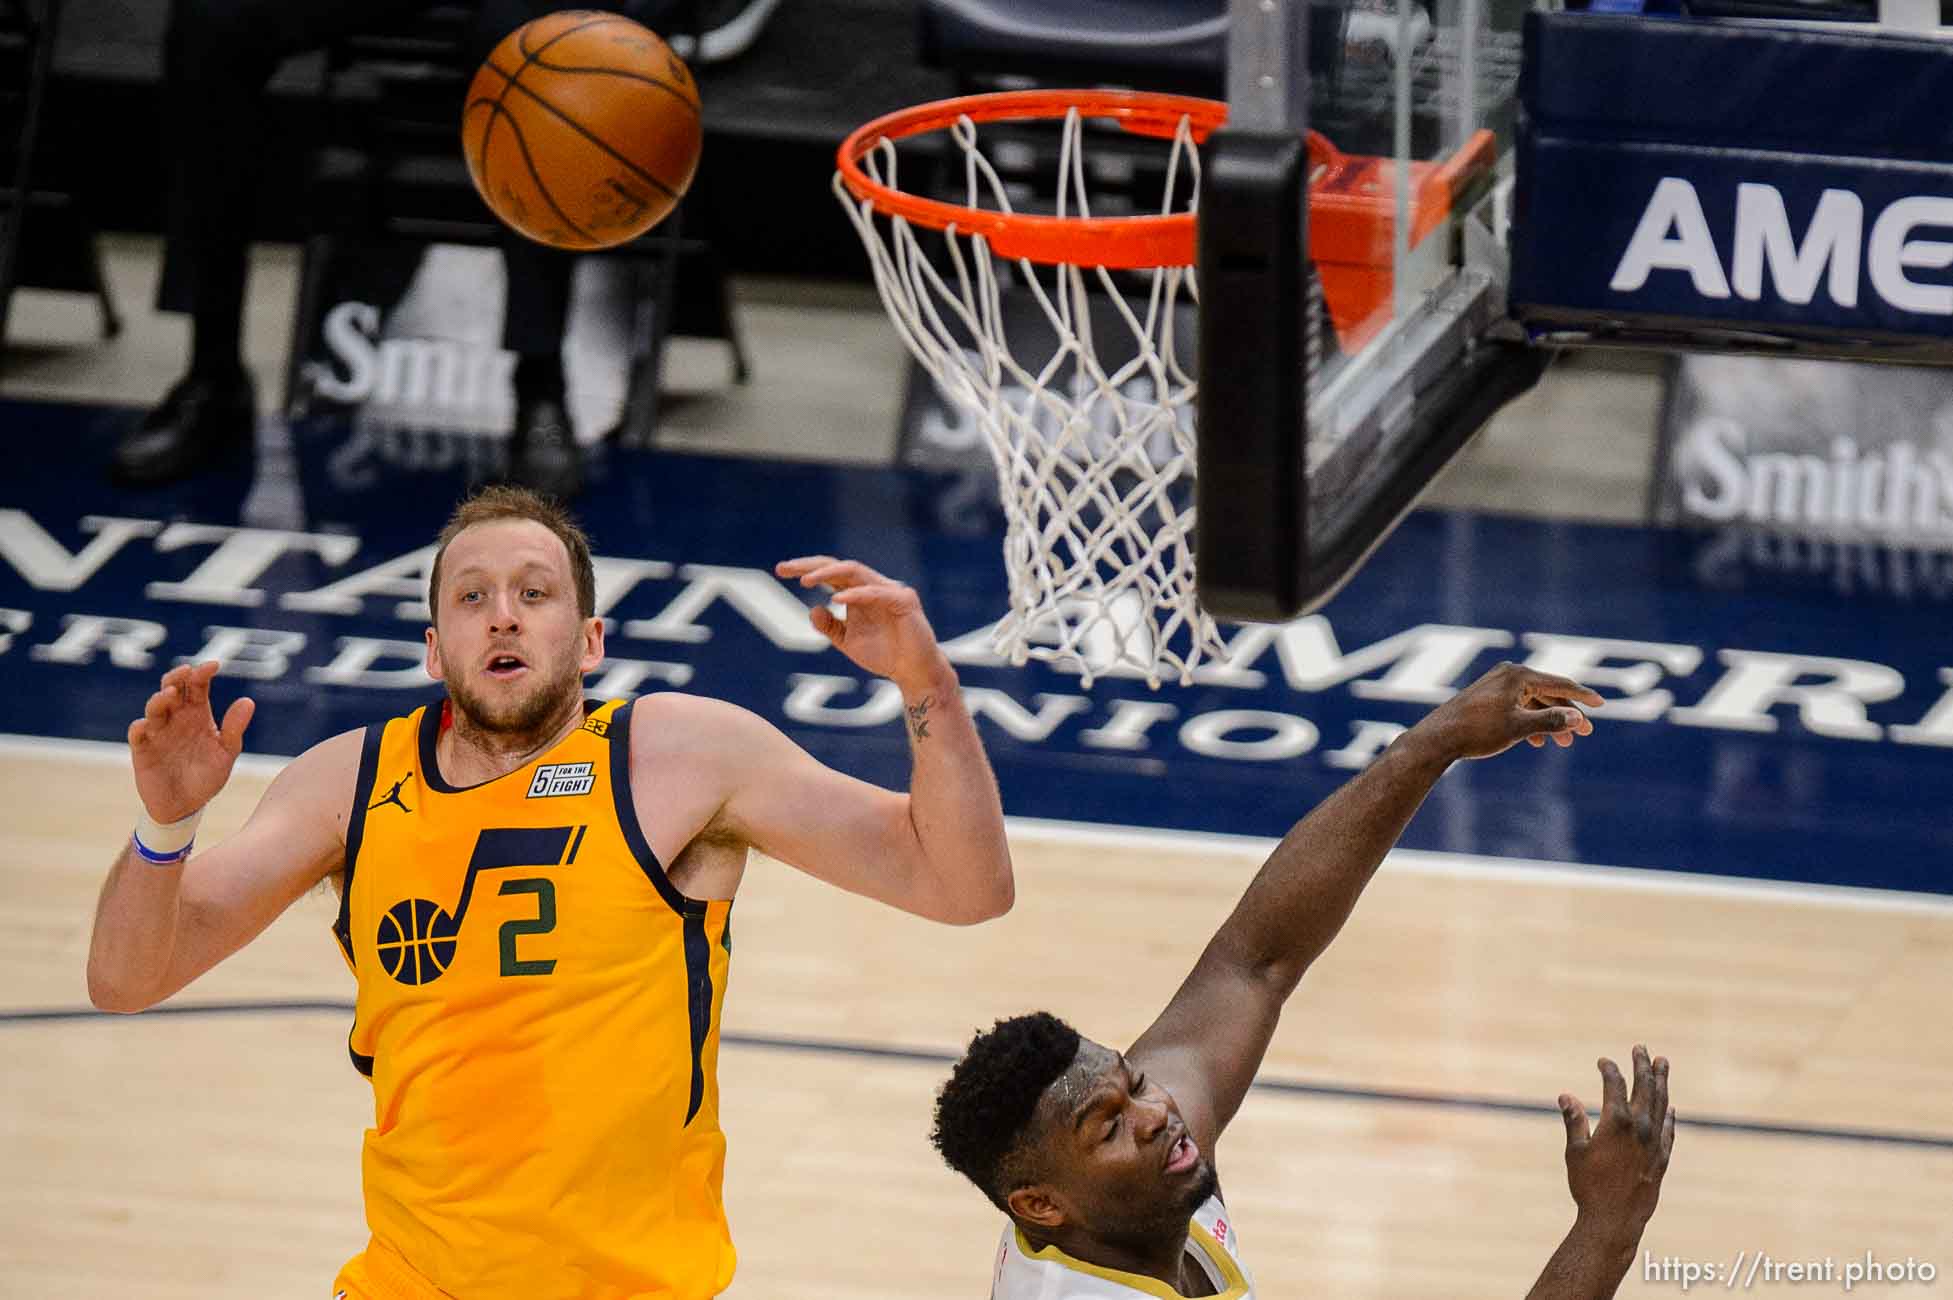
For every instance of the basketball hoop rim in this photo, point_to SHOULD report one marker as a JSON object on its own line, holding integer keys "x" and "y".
{"x": 1117, "y": 243}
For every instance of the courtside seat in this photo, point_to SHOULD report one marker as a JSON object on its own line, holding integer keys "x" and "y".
{"x": 1175, "y": 45}
{"x": 1167, "y": 45}
{"x": 1171, "y": 46}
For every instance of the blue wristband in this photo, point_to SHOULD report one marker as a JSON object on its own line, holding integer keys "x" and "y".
{"x": 156, "y": 859}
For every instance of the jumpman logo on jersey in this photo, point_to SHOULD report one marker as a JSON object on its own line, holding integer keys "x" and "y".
{"x": 393, "y": 796}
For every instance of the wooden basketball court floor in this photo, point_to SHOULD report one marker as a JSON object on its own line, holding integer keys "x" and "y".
{"x": 1403, "y": 1143}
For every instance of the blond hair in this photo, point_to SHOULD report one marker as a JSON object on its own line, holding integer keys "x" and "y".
{"x": 492, "y": 504}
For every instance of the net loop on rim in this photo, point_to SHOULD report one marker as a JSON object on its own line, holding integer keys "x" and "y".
{"x": 1092, "y": 439}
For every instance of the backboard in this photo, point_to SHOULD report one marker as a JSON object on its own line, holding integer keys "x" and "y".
{"x": 1389, "y": 224}
{"x": 1352, "y": 274}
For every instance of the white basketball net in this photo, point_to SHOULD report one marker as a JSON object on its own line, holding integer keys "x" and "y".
{"x": 1095, "y": 466}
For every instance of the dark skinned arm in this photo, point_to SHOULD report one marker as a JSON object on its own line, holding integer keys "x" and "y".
{"x": 1209, "y": 1042}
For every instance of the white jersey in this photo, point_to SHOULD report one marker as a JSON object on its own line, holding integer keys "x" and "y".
{"x": 1050, "y": 1274}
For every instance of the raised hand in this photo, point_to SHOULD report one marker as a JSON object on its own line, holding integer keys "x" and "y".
{"x": 1508, "y": 705}
{"x": 181, "y": 757}
{"x": 884, "y": 630}
{"x": 1615, "y": 1174}
{"x": 1615, "y": 1171}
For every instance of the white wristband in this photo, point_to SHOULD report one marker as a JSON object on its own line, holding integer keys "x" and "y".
{"x": 162, "y": 840}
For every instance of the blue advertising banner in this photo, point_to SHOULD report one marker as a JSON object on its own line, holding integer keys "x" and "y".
{"x": 1754, "y": 183}
{"x": 1754, "y": 239}
{"x": 1761, "y": 724}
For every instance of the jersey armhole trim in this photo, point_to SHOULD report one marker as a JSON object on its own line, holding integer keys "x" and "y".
{"x": 369, "y": 767}
{"x": 627, "y": 823}
{"x": 1232, "y": 1276}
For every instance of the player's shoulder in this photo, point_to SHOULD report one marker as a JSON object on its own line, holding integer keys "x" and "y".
{"x": 330, "y": 765}
{"x": 316, "y": 790}
{"x": 669, "y": 722}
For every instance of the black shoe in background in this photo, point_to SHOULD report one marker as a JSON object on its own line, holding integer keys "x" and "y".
{"x": 543, "y": 455}
{"x": 200, "y": 421}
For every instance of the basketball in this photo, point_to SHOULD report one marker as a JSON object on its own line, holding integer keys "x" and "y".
{"x": 582, "y": 129}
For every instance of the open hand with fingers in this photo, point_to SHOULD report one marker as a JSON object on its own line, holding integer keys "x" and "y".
{"x": 1615, "y": 1170}
{"x": 884, "y": 630}
{"x": 181, "y": 756}
{"x": 1508, "y": 705}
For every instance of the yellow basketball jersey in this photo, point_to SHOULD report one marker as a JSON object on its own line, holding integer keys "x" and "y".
{"x": 538, "y": 1012}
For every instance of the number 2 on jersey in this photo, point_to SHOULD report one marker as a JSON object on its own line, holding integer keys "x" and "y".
{"x": 541, "y": 923}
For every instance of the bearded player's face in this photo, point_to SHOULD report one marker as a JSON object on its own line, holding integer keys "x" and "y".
{"x": 508, "y": 639}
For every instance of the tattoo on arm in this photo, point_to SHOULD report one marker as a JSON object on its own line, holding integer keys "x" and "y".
{"x": 919, "y": 717}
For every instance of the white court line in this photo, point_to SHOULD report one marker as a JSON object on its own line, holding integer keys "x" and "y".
{"x": 1417, "y": 862}
{"x": 1525, "y": 871}
{"x": 111, "y": 751}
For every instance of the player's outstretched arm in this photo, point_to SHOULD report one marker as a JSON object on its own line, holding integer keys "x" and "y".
{"x": 1615, "y": 1174}
{"x": 1207, "y": 1045}
{"x": 165, "y": 915}
{"x": 939, "y": 850}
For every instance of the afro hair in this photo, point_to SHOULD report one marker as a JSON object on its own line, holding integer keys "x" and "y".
{"x": 986, "y": 1106}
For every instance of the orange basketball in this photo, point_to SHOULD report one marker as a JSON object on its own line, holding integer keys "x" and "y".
{"x": 582, "y": 129}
